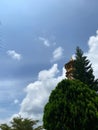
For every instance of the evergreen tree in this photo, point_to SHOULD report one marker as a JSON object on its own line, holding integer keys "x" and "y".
{"x": 72, "y": 105}
{"x": 83, "y": 70}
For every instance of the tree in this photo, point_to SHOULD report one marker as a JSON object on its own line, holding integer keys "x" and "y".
{"x": 19, "y": 123}
{"x": 83, "y": 70}
{"x": 5, "y": 127}
{"x": 72, "y": 105}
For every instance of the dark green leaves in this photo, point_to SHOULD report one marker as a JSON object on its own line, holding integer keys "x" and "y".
{"x": 72, "y": 106}
{"x": 20, "y": 123}
{"x": 83, "y": 70}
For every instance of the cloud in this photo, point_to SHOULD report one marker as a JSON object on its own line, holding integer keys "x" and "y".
{"x": 47, "y": 74}
{"x": 57, "y": 54}
{"x": 16, "y": 101}
{"x": 45, "y": 41}
{"x": 92, "y": 53}
{"x": 14, "y": 54}
{"x": 37, "y": 93}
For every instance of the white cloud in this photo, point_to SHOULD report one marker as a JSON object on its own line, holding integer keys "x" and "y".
{"x": 57, "y": 54}
{"x": 47, "y": 74}
{"x": 14, "y": 54}
{"x": 38, "y": 92}
{"x": 45, "y": 41}
{"x": 16, "y": 101}
{"x": 92, "y": 54}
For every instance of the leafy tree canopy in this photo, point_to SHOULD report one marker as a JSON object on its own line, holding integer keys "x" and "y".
{"x": 72, "y": 105}
{"x": 19, "y": 123}
{"x": 83, "y": 70}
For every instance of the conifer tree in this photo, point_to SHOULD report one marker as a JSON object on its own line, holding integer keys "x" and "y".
{"x": 83, "y": 70}
{"x": 72, "y": 105}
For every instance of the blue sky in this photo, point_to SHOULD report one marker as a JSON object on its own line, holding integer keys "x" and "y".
{"x": 37, "y": 37}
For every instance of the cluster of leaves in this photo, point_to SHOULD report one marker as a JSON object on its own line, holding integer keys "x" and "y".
{"x": 83, "y": 70}
{"x": 72, "y": 106}
{"x": 20, "y": 123}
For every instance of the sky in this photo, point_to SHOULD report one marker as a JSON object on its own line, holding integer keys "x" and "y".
{"x": 37, "y": 37}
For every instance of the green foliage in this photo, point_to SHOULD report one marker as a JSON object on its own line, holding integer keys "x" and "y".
{"x": 5, "y": 127}
{"x": 71, "y": 106}
{"x": 83, "y": 70}
{"x": 20, "y": 123}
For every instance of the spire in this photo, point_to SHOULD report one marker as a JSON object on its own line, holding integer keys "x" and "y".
{"x": 69, "y": 68}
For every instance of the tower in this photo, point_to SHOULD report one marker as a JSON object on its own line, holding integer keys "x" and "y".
{"x": 69, "y": 69}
